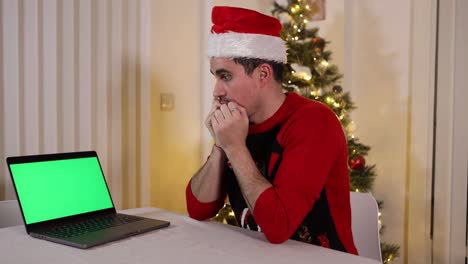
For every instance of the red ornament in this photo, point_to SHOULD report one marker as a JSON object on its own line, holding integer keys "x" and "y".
{"x": 357, "y": 162}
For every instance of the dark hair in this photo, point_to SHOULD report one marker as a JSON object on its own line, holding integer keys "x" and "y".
{"x": 250, "y": 64}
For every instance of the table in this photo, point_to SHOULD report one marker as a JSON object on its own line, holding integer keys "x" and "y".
{"x": 184, "y": 241}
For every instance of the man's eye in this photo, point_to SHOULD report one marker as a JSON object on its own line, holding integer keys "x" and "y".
{"x": 225, "y": 77}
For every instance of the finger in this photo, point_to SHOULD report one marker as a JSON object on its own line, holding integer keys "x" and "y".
{"x": 232, "y": 105}
{"x": 214, "y": 122}
{"x": 216, "y": 105}
{"x": 213, "y": 108}
{"x": 208, "y": 119}
{"x": 216, "y": 127}
{"x": 225, "y": 110}
{"x": 219, "y": 115}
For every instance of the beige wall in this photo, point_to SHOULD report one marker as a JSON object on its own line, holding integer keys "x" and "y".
{"x": 378, "y": 52}
{"x": 175, "y": 134}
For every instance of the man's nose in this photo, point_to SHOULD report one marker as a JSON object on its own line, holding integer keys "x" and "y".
{"x": 218, "y": 90}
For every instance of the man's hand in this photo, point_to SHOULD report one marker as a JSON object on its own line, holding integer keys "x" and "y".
{"x": 230, "y": 125}
{"x": 214, "y": 107}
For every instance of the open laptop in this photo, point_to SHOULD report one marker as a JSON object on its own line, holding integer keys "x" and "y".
{"x": 64, "y": 198}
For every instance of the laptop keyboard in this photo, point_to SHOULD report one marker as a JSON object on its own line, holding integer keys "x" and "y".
{"x": 91, "y": 225}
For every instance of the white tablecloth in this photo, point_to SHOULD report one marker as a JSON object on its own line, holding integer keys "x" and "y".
{"x": 184, "y": 241}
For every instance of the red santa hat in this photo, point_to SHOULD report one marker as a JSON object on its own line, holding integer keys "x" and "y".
{"x": 239, "y": 32}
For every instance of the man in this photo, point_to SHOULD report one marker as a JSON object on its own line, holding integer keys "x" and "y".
{"x": 280, "y": 158}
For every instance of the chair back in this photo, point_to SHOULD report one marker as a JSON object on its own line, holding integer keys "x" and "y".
{"x": 365, "y": 225}
{"x": 10, "y": 214}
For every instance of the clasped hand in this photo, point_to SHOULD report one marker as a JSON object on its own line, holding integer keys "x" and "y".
{"x": 228, "y": 124}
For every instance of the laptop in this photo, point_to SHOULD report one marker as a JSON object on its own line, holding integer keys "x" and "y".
{"x": 64, "y": 198}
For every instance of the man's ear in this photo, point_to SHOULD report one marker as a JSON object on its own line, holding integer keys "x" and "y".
{"x": 265, "y": 73}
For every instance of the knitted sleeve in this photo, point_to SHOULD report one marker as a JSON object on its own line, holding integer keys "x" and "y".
{"x": 199, "y": 210}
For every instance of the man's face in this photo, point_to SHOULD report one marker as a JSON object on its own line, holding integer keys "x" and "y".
{"x": 233, "y": 83}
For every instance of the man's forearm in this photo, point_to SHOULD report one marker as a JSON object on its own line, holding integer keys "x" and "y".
{"x": 251, "y": 181}
{"x": 206, "y": 183}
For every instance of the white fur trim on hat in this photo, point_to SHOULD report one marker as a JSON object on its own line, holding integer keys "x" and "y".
{"x": 232, "y": 45}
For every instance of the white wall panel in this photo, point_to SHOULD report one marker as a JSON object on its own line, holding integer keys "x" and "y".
{"x": 102, "y": 82}
{"x": 131, "y": 103}
{"x": 30, "y": 81}
{"x": 10, "y": 107}
{"x": 144, "y": 45}
{"x": 49, "y": 99}
{"x": 85, "y": 119}
{"x": 75, "y": 75}
{"x": 116, "y": 99}
{"x": 68, "y": 75}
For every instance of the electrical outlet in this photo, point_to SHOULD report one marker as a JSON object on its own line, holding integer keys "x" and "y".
{"x": 167, "y": 101}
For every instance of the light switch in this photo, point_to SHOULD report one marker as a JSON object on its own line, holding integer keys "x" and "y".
{"x": 167, "y": 101}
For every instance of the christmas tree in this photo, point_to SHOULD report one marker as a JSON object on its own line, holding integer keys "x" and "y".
{"x": 311, "y": 73}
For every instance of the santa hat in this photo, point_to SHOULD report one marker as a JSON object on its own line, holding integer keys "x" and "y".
{"x": 239, "y": 32}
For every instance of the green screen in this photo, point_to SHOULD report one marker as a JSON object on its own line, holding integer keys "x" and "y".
{"x": 54, "y": 189}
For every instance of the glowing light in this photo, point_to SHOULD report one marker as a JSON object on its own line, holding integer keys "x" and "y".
{"x": 295, "y": 9}
{"x": 351, "y": 127}
{"x": 329, "y": 100}
{"x": 295, "y": 26}
{"x": 296, "y": 38}
{"x": 308, "y": 7}
{"x": 298, "y": 30}
{"x": 336, "y": 105}
{"x": 324, "y": 63}
{"x": 357, "y": 190}
{"x": 305, "y": 21}
{"x": 289, "y": 81}
{"x": 304, "y": 76}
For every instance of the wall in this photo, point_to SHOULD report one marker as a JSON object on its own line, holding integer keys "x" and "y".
{"x": 388, "y": 62}
{"x": 378, "y": 68}
{"x": 175, "y": 134}
{"x": 74, "y": 75}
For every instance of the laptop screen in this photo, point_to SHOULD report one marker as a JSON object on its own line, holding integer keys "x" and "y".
{"x": 54, "y": 189}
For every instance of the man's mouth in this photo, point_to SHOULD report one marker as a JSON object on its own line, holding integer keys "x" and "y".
{"x": 223, "y": 100}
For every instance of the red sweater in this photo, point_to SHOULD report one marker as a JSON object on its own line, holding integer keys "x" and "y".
{"x": 302, "y": 151}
